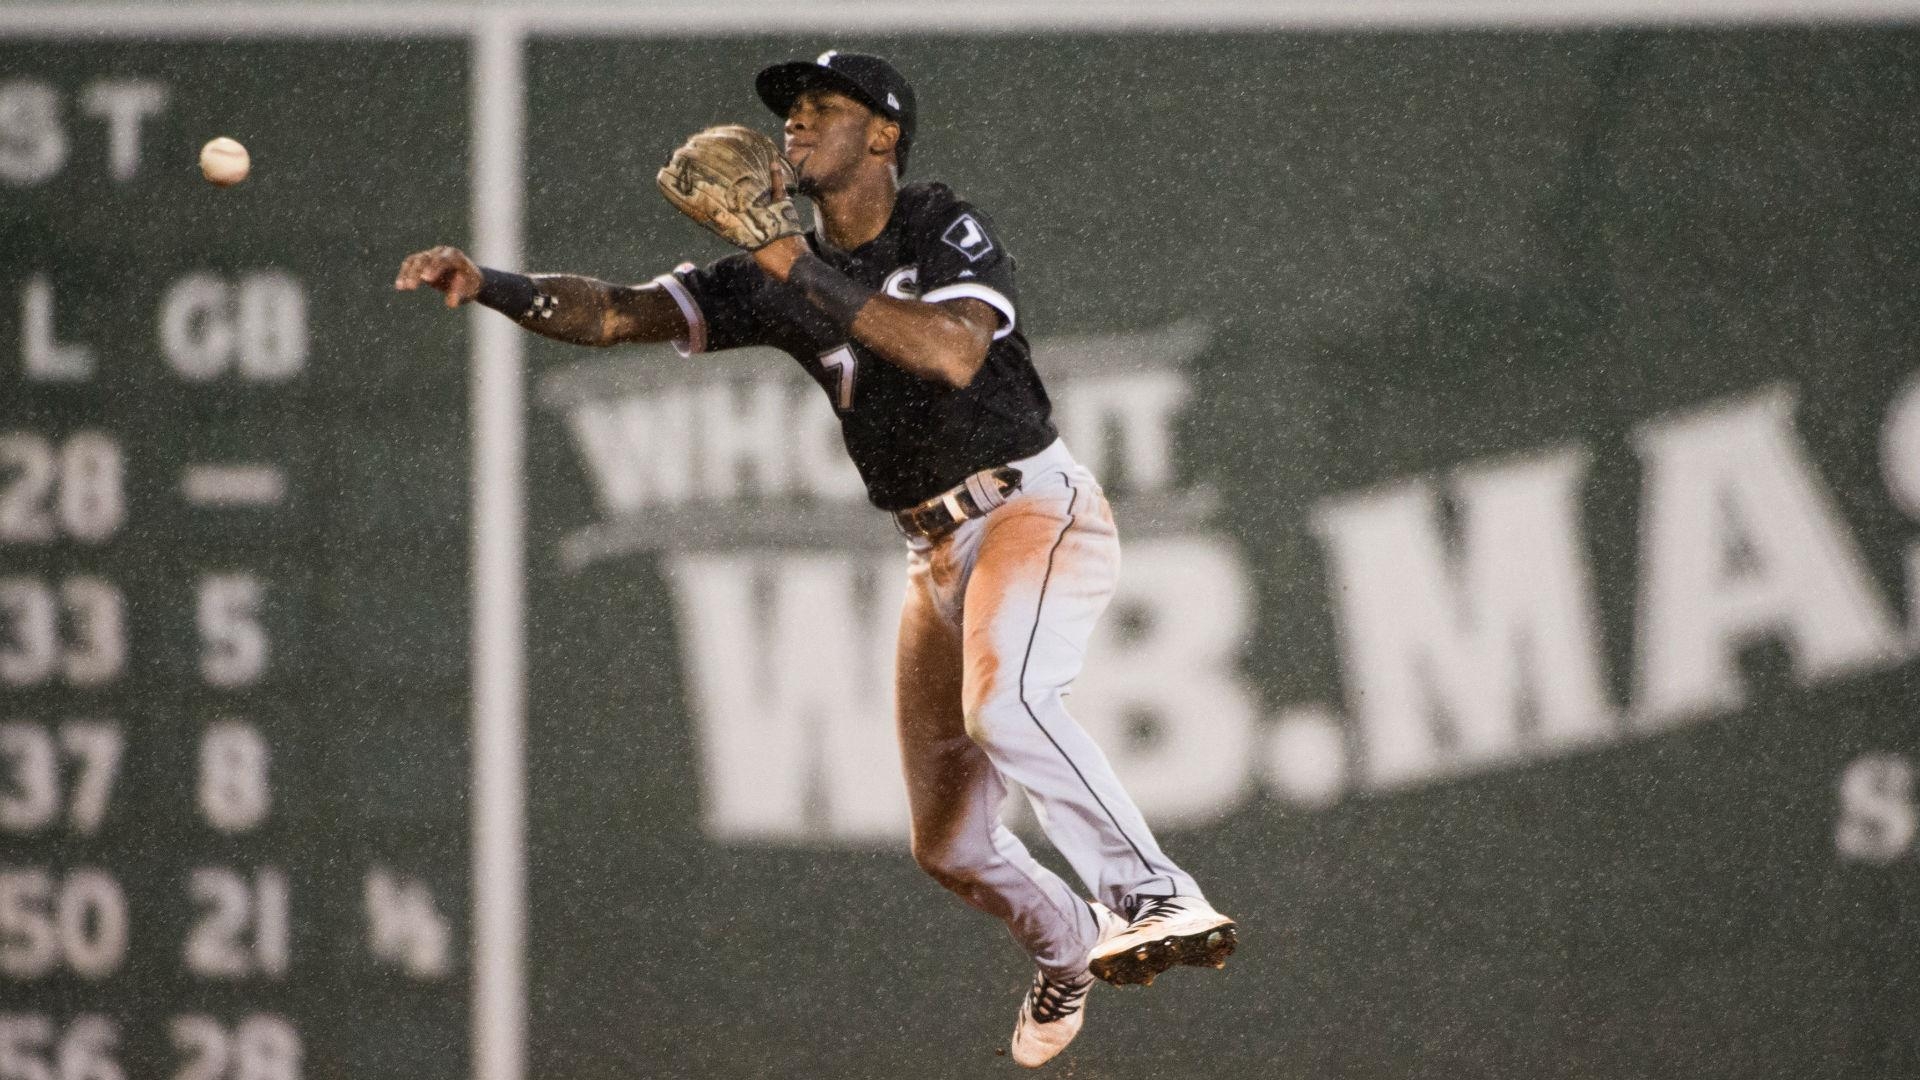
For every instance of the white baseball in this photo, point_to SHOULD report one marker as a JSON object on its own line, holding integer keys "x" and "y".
{"x": 224, "y": 161}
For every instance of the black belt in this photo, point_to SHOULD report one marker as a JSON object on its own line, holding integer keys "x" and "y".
{"x": 976, "y": 495}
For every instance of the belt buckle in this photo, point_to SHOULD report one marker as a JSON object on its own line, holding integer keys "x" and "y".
{"x": 913, "y": 522}
{"x": 938, "y": 521}
{"x": 941, "y": 509}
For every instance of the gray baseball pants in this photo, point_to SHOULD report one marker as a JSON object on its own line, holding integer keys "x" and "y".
{"x": 993, "y": 630}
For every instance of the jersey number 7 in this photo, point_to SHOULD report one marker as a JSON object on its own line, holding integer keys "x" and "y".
{"x": 840, "y": 361}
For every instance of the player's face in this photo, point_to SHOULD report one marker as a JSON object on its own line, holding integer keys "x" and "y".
{"x": 829, "y": 137}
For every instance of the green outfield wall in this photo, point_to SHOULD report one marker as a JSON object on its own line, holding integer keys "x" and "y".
{"x": 1514, "y": 437}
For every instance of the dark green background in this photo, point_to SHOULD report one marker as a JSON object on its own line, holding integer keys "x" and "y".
{"x": 365, "y": 701}
{"x": 1416, "y": 250}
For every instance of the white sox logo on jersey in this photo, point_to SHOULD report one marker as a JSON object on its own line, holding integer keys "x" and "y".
{"x": 967, "y": 237}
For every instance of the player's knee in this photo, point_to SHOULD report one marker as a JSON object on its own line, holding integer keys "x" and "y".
{"x": 984, "y": 722}
{"x": 947, "y": 863}
{"x": 999, "y": 712}
{"x": 988, "y": 706}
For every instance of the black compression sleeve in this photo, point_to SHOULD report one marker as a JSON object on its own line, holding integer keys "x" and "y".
{"x": 513, "y": 295}
{"x": 505, "y": 292}
{"x": 831, "y": 291}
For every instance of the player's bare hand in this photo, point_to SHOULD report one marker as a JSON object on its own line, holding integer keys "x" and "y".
{"x": 782, "y": 171}
{"x": 445, "y": 268}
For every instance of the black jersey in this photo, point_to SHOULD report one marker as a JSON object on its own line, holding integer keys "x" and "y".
{"x": 911, "y": 438}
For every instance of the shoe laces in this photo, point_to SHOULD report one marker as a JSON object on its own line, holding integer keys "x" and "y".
{"x": 1155, "y": 907}
{"x": 1052, "y": 999}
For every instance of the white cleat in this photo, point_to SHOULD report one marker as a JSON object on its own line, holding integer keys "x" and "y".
{"x": 1050, "y": 1016}
{"x": 1054, "y": 1009}
{"x": 1165, "y": 932}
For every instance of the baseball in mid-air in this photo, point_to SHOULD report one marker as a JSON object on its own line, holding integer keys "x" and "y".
{"x": 224, "y": 161}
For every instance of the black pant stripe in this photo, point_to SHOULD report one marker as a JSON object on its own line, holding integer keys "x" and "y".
{"x": 1028, "y": 657}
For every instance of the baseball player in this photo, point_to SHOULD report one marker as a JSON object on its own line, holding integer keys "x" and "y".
{"x": 901, "y": 304}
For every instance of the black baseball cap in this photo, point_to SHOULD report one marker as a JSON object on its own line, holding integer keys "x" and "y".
{"x": 867, "y": 79}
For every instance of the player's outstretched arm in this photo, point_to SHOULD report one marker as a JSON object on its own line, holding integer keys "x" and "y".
{"x": 565, "y": 307}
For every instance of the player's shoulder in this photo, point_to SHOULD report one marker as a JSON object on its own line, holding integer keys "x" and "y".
{"x": 932, "y": 204}
{"x": 926, "y": 197}
{"x": 934, "y": 212}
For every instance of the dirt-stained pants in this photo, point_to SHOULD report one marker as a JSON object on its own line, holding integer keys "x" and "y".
{"x": 993, "y": 631}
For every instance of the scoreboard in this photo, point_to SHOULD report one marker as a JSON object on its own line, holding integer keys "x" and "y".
{"x": 234, "y": 696}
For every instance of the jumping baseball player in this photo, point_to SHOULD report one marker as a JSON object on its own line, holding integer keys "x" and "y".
{"x": 901, "y": 304}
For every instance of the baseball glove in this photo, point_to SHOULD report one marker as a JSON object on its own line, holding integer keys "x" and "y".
{"x": 723, "y": 178}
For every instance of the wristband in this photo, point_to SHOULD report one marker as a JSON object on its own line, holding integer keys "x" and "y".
{"x": 513, "y": 295}
{"x": 831, "y": 291}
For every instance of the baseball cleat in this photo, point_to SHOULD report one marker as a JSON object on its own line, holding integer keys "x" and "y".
{"x": 1050, "y": 1016}
{"x": 1054, "y": 1009}
{"x": 1166, "y": 932}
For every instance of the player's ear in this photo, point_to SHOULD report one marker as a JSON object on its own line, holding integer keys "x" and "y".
{"x": 883, "y": 137}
